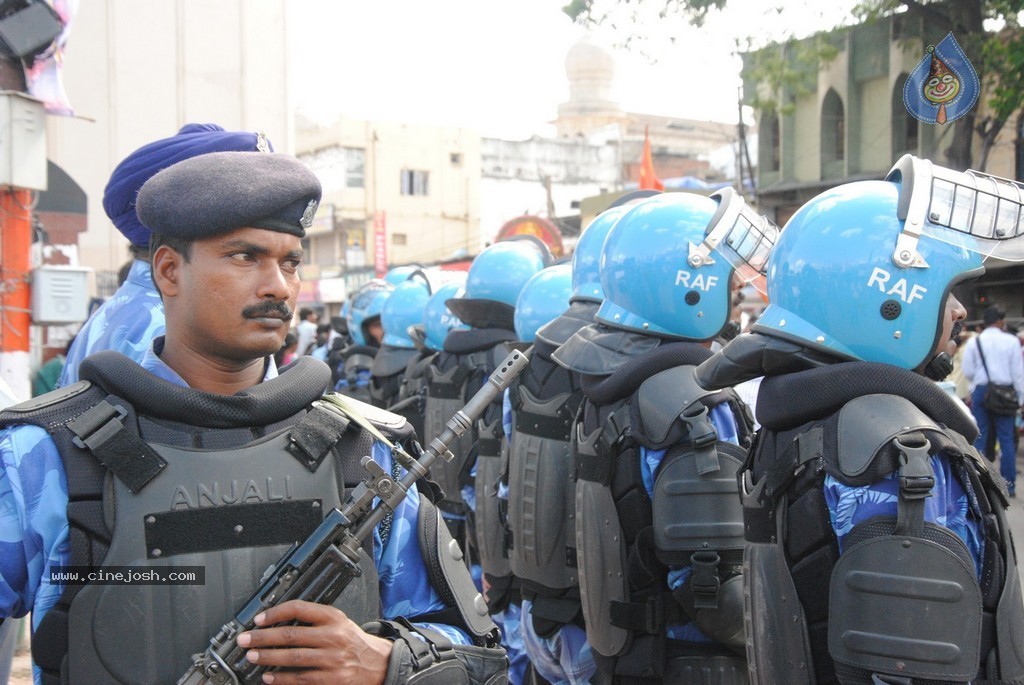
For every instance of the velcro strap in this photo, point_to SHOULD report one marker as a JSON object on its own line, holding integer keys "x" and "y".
{"x": 804, "y": 448}
{"x": 100, "y": 431}
{"x": 444, "y": 391}
{"x": 555, "y": 427}
{"x": 314, "y": 435}
{"x": 650, "y": 616}
{"x": 488, "y": 447}
{"x": 614, "y": 432}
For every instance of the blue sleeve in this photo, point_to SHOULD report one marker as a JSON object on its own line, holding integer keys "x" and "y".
{"x": 405, "y": 588}
{"x": 947, "y": 506}
{"x": 33, "y": 521}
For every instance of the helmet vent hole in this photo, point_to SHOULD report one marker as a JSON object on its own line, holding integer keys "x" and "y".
{"x": 692, "y": 297}
{"x": 891, "y": 309}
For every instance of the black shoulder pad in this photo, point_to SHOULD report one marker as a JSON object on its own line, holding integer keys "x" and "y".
{"x": 664, "y": 396}
{"x": 868, "y": 423}
{"x": 47, "y": 400}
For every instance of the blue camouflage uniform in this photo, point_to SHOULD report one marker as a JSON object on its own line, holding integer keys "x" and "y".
{"x": 34, "y": 528}
{"x": 127, "y": 323}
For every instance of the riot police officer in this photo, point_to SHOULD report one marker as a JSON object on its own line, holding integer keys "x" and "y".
{"x": 877, "y": 545}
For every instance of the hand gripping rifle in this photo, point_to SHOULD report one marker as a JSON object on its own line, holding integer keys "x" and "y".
{"x": 321, "y": 567}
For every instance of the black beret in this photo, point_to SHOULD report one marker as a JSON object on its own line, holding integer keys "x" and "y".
{"x": 219, "y": 192}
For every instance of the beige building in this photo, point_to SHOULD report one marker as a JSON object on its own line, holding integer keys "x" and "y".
{"x": 393, "y": 194}
{"x": 847, "y": 121}
{"x": 137, "y": 71}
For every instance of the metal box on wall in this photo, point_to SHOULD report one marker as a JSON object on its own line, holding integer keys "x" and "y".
{"x": 60, "y": 294}
{"x": 22, "y": 141}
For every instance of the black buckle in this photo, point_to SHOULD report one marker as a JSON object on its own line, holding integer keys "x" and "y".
{"x": 916, "y": 475}
{"x": 700, "y": 429}
{"x": 97, "y": 420}
{"x": 705, "y": 582}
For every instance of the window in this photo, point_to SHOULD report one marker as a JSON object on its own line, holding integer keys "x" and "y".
{"x": 355, "y": 167}
{"x": 415, "y": 182}
{"x": 456, "y": 158}
{"x": 833, "y": 128}
{"x": 398, "y": 239}
{"x": 770, "y": 131}
{"x": 904, "y": 126}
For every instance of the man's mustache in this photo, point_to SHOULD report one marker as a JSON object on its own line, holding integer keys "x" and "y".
{"x": 279, "y": 309}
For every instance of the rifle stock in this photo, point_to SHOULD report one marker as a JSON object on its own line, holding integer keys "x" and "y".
{"x": 321, "y": 567}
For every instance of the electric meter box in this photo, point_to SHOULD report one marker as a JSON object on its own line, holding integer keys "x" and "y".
{"x": 60, "y": 294}
{"x": 22, "y": 141}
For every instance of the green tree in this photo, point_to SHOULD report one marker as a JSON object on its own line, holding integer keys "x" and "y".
{"x": 988, "y": 31}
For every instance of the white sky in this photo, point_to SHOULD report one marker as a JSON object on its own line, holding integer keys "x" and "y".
{"x": 499, "y": 65}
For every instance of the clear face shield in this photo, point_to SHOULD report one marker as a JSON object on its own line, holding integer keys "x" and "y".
{"x": 971, "y": 210}
{"x": 741, "y": 236}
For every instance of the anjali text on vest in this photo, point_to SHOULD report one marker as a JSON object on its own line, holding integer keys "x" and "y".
{"x": 236, "y": 492}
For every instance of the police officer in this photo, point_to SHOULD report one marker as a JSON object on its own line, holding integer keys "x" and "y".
{"x": 658, "y": 524}
{"x": 354, "y": 363}
{"x": 877, "y": 544}
{"x": 543, "y": 404}
{"x": 470, "y": 481}
{"x": 201, "y": 456}
{"x": 402, "y": 310}
{"x": 129, "y": 319}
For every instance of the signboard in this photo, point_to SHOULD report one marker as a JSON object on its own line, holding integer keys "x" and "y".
{"x": 536, "y": 226}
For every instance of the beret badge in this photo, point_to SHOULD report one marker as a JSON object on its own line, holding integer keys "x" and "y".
{"x": 307, "y": 216}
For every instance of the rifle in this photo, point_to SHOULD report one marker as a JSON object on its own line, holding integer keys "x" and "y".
{"x": 321, "y": 567}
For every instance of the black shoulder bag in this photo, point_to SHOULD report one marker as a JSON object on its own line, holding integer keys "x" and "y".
{"x": 1000, "y": 400}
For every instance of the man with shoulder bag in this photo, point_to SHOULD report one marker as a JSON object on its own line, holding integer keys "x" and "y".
{"x": 993, "y": 365}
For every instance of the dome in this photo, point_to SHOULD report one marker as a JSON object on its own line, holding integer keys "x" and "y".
{"x": 588, "y": 61}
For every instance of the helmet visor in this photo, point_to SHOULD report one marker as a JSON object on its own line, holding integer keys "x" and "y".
{"x": 743, "y": 237}
{"x": 973, "y": 210}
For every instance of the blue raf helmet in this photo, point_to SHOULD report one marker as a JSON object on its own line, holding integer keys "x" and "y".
{"x": 544, "y": 298}
{"x": 863, "y": 270}
{"x": 367, "y": 305}
{"x": 586, "y": 258}
{"x": 670, "y": 264}
{"x": 438, "y": 320}
{"x": 404, "y": 308}
{"x": 496, "y": 277}
{"x": 400, "y": 274}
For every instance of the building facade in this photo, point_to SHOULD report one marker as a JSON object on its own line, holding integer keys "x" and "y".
{"x": 844, "y": 119}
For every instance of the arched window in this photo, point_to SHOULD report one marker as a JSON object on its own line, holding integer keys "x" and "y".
{"x": 904, "y": 126}
{"x": 833, "y": 128}
{"x": 833, "y": 136}
{"x": 772, "y": 147}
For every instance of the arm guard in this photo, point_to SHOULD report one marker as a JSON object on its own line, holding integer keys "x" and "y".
{"x": 424, "y": 657}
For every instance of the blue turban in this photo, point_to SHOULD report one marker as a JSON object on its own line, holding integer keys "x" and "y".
{"x": 138, "y": 167}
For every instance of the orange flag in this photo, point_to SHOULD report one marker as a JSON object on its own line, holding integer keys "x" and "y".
{"x": 648, "y": 179}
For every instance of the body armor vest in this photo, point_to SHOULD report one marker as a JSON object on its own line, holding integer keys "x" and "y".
{"x": 903, "y": 602}
{"x": 356, "y": 362}
{"x": 412, "y": 395}
{"x": 386, "y": 374}
{"x": 222, "y": 484}
{"x": 627, "y": 540}
{"x": 541, "y": 514}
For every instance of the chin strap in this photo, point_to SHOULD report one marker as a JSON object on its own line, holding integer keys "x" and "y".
{"x": 939, "y": 367}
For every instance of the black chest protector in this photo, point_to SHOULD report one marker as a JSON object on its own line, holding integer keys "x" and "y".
{"x": 628, "y": 541}
{"x": 903, "y": 602}
{"x": 541, "y": 516}
{"x": 453, "y": 376}
{"x": 387, "y": 373}
{"x": 412, "y": 394}
{"x": 354, "y": 371}
{"x": 160, "y": 475}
